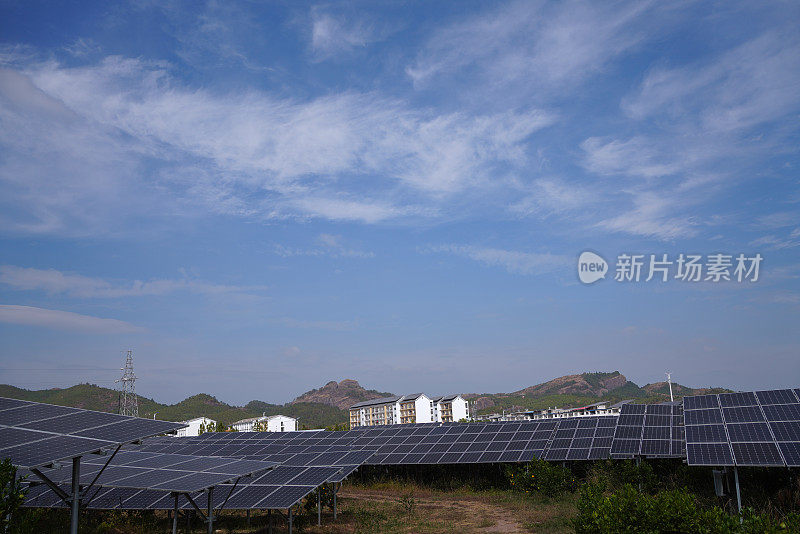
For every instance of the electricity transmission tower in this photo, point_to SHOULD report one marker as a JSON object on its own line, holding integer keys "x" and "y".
{"x": 128, "y": 404}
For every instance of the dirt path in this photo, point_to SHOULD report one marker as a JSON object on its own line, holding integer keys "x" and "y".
{"x": 468, "y": 514}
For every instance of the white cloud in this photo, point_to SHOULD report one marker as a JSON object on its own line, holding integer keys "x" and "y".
{"x": 554, "y": 196}
{"x": 513, "y": 261}
{"x": 328, "y": 245}
{"x": 777, "y": 242}
{"x": 56, "y": 282}
{"x": 540, "y": 46}
{"x": 638, "y": 156}
{"x": 749, "y": 85}
{"x": 653, "y": 215}
{"x": 62, "y": 320}
{"x": 124, "y": 137}
{"x": 333, "y": 35}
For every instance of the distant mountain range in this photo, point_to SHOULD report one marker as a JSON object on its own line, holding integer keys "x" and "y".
{"x": 580, "y": 390}
{"x": 328, "y": 405}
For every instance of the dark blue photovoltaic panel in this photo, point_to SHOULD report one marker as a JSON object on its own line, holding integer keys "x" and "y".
{"x": 791, "y": 453}
{"x": 777, "y": 396}
{"x": 760, "y": 427}
{"x": 728, "y": 400}
{"x": 702, "y": 417}
{"x": 782, "y": 412}
{"x": 697, "y": 402}
{"x": 743, "y": 414}
{"x": 749, "y": 432}
{"x": 35, "y": 434}
{"x": 763, "y": 454}
{"x": 716, "y": 454}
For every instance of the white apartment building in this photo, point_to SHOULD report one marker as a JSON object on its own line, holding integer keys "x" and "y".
{"x": 268, "y": 423}
{"x": 450, "y": 409}
{"x": 407, "y": 409}
{"x": 194, "y": 426}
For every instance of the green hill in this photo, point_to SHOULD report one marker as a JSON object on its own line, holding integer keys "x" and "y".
{"x": 579, "y": 390}
{"x": 92, "y": 397}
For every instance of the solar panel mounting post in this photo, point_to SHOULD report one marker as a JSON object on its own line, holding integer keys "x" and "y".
{"x": 210, "y": 514}
{"x": 738, "y": 493}
{"x": 319, "y": 506}
{"x": 76, "y": 495}
{"x": 175, "y": 515}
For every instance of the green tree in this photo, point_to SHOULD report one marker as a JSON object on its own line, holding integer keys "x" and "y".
{"x": 12, "y": 494}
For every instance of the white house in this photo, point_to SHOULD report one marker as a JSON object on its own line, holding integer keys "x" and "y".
{"x": 270, "y": 423}
{"x": 194, "y": 426}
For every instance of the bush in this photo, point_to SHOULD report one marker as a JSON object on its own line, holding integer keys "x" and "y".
{"x": 408, "y": 503}
{"x": 629, "y": 510}
{"x": 544, "y": 478}
{"x": 12, "y": 493}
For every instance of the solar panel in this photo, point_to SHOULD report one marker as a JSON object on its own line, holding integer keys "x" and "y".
{"x": 649, "y": 430}
{"x": 760, "y": 428}
{"x": 125, "y": 471}
{"x": 35, "y": 434}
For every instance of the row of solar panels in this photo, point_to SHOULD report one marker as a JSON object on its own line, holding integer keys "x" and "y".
{"x": 136, "y": 480}
{"x": 746, "y": 429}
{"x": 586, "y": 438}
{"x": 757, "y": 428}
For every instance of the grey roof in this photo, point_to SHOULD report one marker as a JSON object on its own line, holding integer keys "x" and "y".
{"x": 445, "y": 398}
{"x": 621, "y": 403}
{"x": 413, "y": 396}
{"x": 601, "y": 403}
{"x": 373, "y": 402}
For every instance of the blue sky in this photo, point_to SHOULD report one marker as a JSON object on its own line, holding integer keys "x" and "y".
{"x": 260, "y": 197}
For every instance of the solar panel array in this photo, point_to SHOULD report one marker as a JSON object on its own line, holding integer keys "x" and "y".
{"x": 279, "y": 488}
{"x": 33, "y": 434}
{"x": 755, "y": 428}
{"x": 760, "y": 428}
{"x": 650, "y": 431}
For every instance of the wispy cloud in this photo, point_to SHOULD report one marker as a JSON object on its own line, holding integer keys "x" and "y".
{"x": 331, "y": 245}
{"x": 62, "y": 320}
{"x": 534, "y": 44}
{"x": 334, "y": 34}
{"x": 653, "y": 215}
{"x": 513, "y": 261}
{"x": 776, "y": 242}
{"x": 126, "y": 129}
{"x": 751, "y": 84}
{"x": 317, "y": 325}
{"x": 56, "y": 282}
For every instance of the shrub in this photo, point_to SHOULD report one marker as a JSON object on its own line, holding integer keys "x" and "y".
{"x": 12, "y": 493}
{"x": 544, "y": 478}
{"x": 629, "y": 510}
{"x": 408, "y": 503}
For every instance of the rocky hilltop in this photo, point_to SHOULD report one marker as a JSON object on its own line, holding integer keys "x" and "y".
{"x": 340, "y": 394}
{"x": 588, "y": 384}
